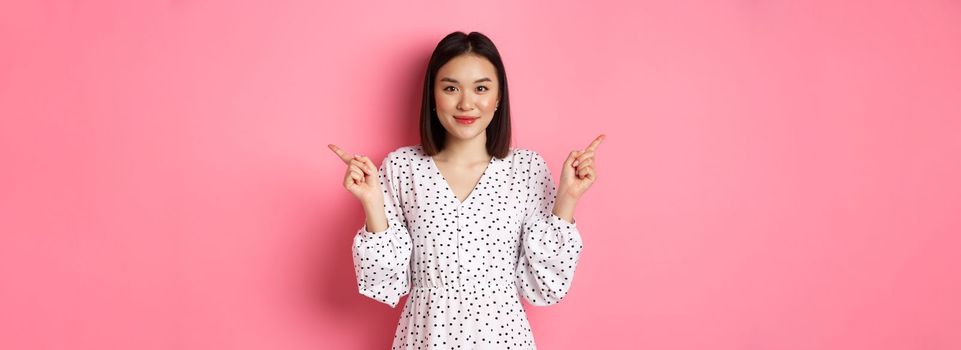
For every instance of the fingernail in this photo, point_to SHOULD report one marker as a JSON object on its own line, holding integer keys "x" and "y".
{"x": 576, "y": 162}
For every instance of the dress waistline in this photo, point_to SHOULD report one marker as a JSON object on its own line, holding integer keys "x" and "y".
{"x": 480, "y": 286}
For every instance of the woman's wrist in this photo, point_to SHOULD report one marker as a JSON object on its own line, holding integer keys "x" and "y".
{"x": 564, "y": 208}
{"x": 373, "y": 203}
{"x": 376, "y": 216}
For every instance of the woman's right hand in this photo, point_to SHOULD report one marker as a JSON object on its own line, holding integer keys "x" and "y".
{"x": 362, "y": 178}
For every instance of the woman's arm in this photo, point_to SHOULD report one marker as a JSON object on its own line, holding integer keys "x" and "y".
{"x": 382, "y": 247}
{"x": 550, "y": 246}
{"x": 376, "y": 216}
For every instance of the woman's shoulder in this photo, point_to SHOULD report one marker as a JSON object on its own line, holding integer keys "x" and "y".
{"x": 407, "y": 151}
{"x": 524, "y": 154}
{"x": 404, "y": 154}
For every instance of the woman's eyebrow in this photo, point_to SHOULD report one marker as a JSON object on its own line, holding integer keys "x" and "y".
{"x": 456, "y": 82}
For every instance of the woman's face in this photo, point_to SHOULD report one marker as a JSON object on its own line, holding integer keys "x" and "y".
{"x": 466, "y": 86}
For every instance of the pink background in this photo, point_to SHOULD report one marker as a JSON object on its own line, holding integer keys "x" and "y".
{"x": 777, "y": 174}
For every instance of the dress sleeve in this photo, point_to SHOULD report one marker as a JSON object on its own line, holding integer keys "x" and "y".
{"x": 382, "y": 258}
{"x": 550, "y": 246}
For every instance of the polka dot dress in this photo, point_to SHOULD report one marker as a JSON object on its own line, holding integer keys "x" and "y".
{"x": 464, "y": 264}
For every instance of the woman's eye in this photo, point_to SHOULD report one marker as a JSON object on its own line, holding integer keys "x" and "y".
{"x": 449, "y": 87}
{"x": 482, "y": 87}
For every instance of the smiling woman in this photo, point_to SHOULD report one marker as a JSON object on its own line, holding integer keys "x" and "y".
{"x": 465, "y": 79}
{"x": 464, "y": 223}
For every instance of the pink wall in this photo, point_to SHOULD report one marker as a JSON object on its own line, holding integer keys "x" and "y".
{"x": 776, "y": 175}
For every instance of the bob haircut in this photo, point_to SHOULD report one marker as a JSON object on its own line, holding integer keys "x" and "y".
{"x": 432, "y": 133}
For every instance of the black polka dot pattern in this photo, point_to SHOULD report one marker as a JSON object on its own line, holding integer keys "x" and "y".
{"x": 465, "y": 264}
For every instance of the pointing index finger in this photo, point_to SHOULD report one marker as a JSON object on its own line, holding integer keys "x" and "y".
{"x": 595, "y": 143}
{"x": 340, "y": 153}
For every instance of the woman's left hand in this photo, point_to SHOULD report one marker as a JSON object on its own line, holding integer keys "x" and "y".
{"x": 578, "y": 173}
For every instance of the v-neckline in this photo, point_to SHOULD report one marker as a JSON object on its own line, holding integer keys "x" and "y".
{"x": 450, "y": 190}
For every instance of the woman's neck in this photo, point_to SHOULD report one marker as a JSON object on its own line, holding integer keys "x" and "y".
{"x": 458, "y": 151}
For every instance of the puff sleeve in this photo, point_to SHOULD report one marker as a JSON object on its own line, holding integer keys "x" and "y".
{"x": 382, "y": 258}
{"x": 550, "y": 246}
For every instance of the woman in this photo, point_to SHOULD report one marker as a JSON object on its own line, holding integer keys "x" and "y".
{"x": 463, "y": 222}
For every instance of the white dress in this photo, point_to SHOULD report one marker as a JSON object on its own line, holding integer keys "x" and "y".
{"x": 465, "y": 264}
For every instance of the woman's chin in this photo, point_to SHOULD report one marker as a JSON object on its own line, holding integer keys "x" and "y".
{"x": 462, "y": 135}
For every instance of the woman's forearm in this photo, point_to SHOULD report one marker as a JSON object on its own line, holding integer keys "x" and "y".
{"x": 564, "y": 207}
{"x": 376, "y": 216}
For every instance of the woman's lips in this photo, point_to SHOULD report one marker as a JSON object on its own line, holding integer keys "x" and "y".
{"x": 465, "y": 119}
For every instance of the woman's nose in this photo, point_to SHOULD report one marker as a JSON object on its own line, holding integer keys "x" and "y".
{"x": 465, "y": 103}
